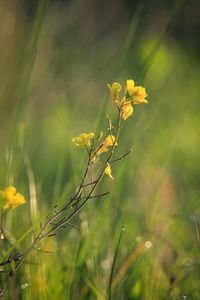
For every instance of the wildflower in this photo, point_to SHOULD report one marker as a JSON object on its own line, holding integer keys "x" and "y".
{"x": 130, "y": 85}
{"x": 126, "y": 109}
{"x": 108, "y": 171}
{"x": 10, "y": 198}
{"x": 108, "y": 142}
{"x": 83, "y": 139}
{"x": 136, "y": 93}
{"x": 115, "y": 89}
{"x": 139, "y": 95}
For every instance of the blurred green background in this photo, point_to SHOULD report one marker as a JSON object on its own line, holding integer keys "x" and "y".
{"x": 56, "y": 60}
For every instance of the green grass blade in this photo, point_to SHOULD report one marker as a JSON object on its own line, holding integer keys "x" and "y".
{"x": 113, "y": 265}
{"x": 150, "y": 57}
{"x": 29, "y": 60}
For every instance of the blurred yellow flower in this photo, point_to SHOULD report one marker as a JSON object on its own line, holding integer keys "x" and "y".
{"x": 108, "y": 142}
{"x": 136, "y": 93}
{"x": 126, "y": 109}
{"x": 115, "y": 89}
{"x": 10, "y": 198}
{"x": 130, "y": 85}
{"x": 139, "y": 95}
{"x": 83, "y": 139}
{"x": 108, "y": 171}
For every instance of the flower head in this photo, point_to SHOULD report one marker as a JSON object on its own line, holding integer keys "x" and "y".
{"x": 83, "y": 139}
{"x": 115, "y": 89}
{"x": 130, "y": 85}
{"x": 109, "y": 141}
{"x": 139, "y": 95}
{"x": 136, "y": 94}
{"x": 108, "y": 171}
{"x": 10, "y": 198}
{"x": 126, "y": 109}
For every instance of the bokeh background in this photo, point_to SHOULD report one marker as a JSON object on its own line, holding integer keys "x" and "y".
{"x": 56, "y": 60}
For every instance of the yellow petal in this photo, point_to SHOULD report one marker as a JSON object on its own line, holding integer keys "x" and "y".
{"x": 108, "y": 171}
{"x": 109, "y": 141}
{"x": 11, "y": 199}
{"x": 126, "y": 109}
{"x": 10, "y": 191}
{"x": 83, "y": 139}
{"x": 90, "y": 135}
{"x": 139, "y": 95}
{"x": 18, "y": 199}
{"x": 115, "y": 88}
{"x": 129, "y": 87}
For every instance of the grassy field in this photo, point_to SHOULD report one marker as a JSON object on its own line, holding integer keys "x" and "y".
{"x": 141, "y": 240}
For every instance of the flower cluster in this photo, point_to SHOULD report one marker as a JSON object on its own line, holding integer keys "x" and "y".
{"x": 9, "y": 198}
{"x": 133, "y": 95}
{"x": 83, "y": 140}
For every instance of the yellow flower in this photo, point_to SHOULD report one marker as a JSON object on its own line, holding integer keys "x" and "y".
{"x": 130, "y": 85}
{"x": 108, "y": 142}
{"x": 83, "y": 139}
{"x": 10, "y": 198}
{"x": 115, "y": 89}
{"x": 108, "y": 171}
{"x": 139, "y": 95}
{"x": 101, "y": 150}
{"x": 126, "y": 109}
{"x": 136, "y": 93}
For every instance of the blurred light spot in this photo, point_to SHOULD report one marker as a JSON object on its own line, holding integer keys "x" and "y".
{"x": 23, "y": 286}
{"x": 148, "y": 244}
{"x": 105, "y": 264}
{"x": 84, "y": 226}
{"x": 90, "y": 263}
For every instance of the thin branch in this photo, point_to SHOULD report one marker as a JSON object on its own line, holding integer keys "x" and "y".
{"x": 97, "y": 181}
{"x": 42, "y": 250}
{"x": 90, "y": 183}
{"x": 65, "y": 220}
{"x": 95, "y": 196}
{"x": 121, "y": 158}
